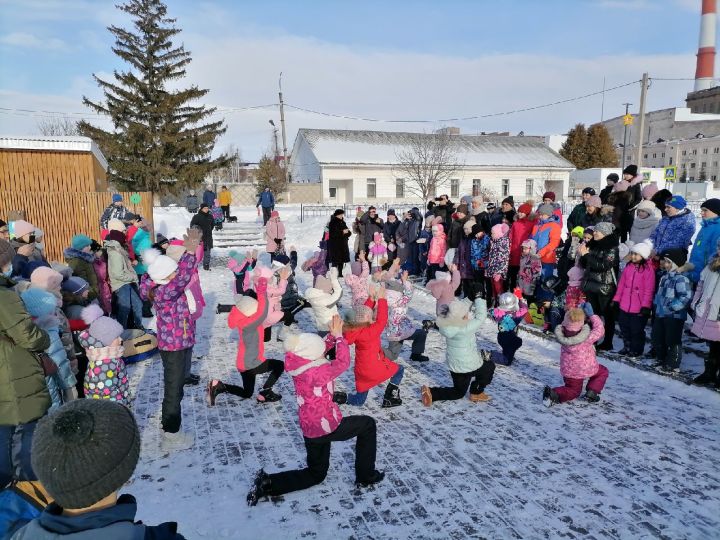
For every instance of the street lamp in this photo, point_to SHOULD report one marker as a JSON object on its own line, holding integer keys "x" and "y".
{"x": 275, "y": 133}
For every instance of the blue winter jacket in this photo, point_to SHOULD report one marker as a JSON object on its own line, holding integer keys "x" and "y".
{"x": 141, "y": 242}
{"x": 266, "y": 200}
{"x": 674, "y": 232}
{"x": 479, "y": 251}
{"x": 705, "y": 246}
{"x": 673, "y": 296}
{"x": 542, "y": 234}
{"x": 113, "y": 523}
{"x": 209, "y": 197}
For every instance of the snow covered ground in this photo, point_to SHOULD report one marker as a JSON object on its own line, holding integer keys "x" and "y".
{"x": 643, "y": 463}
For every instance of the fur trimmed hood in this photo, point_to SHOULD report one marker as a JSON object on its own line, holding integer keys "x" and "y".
{"x": 578, "y": 338}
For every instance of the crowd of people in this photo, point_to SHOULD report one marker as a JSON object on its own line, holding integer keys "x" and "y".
{"x": 623, "y": 261}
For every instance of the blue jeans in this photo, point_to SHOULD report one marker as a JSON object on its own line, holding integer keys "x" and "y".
{"x": 15, "y": 444}
{"x": 127, "y": 300}
{"x": 359, "y": 398}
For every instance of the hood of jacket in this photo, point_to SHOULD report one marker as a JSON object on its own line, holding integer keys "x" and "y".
{"x": 551, "y": 219}
{"x": 52, "y": 518}
{"x": 296, "y": 365}
{"x": 577, "y": 339}
{"x": 114, "y": 245}
{"x": 72, "y": 253}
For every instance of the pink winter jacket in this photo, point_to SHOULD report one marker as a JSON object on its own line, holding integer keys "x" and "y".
{"x": 577, "y": 354}
{"x": 438, "y": 248}
{"x": 636, "y": 288}
{"x": 314, "y": 386}
{"x": 274, "y": 294}
{"x": 359, "y": 285}
{"x": 274, "y": 229}
{"x": 443, "y": 291}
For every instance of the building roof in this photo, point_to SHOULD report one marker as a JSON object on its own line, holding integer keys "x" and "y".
{"x": 54, "y": 144}
{"x": 334, "y": 146}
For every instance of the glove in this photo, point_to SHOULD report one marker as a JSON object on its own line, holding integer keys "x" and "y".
{"x": 70, "y": 394}
{"x": 518, "y": 293}
{"x": 191, "y": 240}
{"x": 645, "y": 312}
{"x": 587, "y": 308}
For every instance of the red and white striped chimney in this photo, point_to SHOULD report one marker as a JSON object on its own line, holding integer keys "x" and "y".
{"x": 705, "y": 70}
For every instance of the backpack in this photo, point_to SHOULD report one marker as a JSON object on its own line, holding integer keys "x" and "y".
{"x": 20, "y": 503}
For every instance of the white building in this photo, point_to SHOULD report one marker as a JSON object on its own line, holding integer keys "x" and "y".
{"x": 361, "y": 167}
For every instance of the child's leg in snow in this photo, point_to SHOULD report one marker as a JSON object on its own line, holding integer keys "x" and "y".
{"x": 461, "y": 381}
{"x": 483, "y": 377}
{"x": 571, "y": 390}
{"x": 596, "y": 383}
{"x": 510, "y": 343}
{"x": 418, "y": 341}
{"x": 393, "y": 349}
{"x": 357, "y": 399}
{"x": 397, "y": 378}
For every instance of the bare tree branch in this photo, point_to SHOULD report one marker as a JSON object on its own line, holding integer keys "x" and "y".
{"x": 56, "y": 126}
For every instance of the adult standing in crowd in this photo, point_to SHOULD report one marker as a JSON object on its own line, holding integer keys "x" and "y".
{"x": 116, "y": 210}
{"x": 25, "y": 397}
{"x": 605, "y": 192}
{"x": 209, "y": 196}
{"x": 26, "y": 250}
{"x": 80, "y": 258}
{"x": 203, "y": 220}
{"x": 338, "y": 251}
{"x": 676, "y": 228}
{"x": 414, "y": 228}
{"x": 225, "y": 200}
{"x": 390, "y": 228}
{"x": 445, "y": 209}
{"x": 372, "y": 223}
{"x": 266, "y": 200}
{"x": 644, "y": 222}
{"x": 480, "y": 214}
{"x": 275, "y": 235}
{"x": 592, "y": 212}
{"x": 495, "y": 215}
{"x": 123, "y": 281}
{"x": 705, "y": 246}
{"x": 358, "y": 229}
{"x": 507, "y": 207}
{"x": 191, "y": 202}
{"x": 578, "y": 212}
{"x": 520, "y": 231}
{"x": 621, "y": 199}
{"x": 601, "y": 260}
{"x": 632, "y": 176}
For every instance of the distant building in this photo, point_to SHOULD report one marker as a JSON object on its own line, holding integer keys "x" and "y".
{"x": 356, "y": 167}
{"x": 704, "y": 101}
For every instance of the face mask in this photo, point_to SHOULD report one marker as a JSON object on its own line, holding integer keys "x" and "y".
{"x": 7, "y": 273}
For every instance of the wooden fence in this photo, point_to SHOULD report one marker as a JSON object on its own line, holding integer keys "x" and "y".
{"x": 61, "y": 215}
{"x": 50, "y": 171}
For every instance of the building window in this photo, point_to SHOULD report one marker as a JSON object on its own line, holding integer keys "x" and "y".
{"x": 454, "y": 188}
{"x": 691, "y": 179}
{"x": 713, "y": 177}
{"x": 695, "y": 152}
{"x": 692, "y": 165}
{"x": 654, "y": 155}
{"x": 716, "y": 150}
{"x": 476, "y": 187}
{"x": 505, "y": 187}
{"x": 399, "y": 188}
{"x": 663, "y": 154}
{"x": 715, "y": 163}
{"x": 645, "y": 156}
{"x": 371, "y": 191}
{"x": 703, "y": 164}
{"x": 684, "y": 152}
{"x": 671, "y": 160}
{"x": 333, "y": 192}
{"x": 529, "y": 187}
{"x": 705, "y": 150}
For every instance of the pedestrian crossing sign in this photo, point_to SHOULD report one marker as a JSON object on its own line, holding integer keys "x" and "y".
{"x": 670, "y": 174}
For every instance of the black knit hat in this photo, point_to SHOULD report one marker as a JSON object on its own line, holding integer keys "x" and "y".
{"x": 676, "y": 255}
{"x": 612, "y": 177}
{"x": 713, "y": 205}
{"x": 631, "y": 170}
{"x": 589, "y": 191}
{"x": 85, "y": 451}
{"x": 509, "y": 200}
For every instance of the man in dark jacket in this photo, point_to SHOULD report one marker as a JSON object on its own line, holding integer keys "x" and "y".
{"x": 209, "y": 196}
{"x": 116, "y": 210}
{"x": 83, "y": 454}
{"x": 576, "y": 216}
{"x": 456, "y": 228}
{"x": 203, "y": 220}
{"x": 507, "y": 207}
{"x": 24, "y": 394}
{"x": 389, "y": 234}
{"x": 267, "y": 201}
{"x": 191, "y": 202}
{"x": 414, "y": 228}
{"x": 372, "y": 224}
{"x": 444, "y": 208}
{"x": 605, "y": 192}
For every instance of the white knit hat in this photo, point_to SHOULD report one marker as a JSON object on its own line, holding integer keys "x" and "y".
{"x": 643, "y": 249}
{"x": 458, "y": 309}
{"x": 116, "y": 225}
{"x": 246, "y": 304}
{"x": 310, "y": 346}
{"x": 442, "y": 276}
{"x": 159, "y": 266}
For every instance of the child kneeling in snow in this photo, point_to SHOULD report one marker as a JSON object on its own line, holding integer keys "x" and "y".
{"x": 465, "y": 363}
{"x": 510, "y": 312}
{"x": 248, "y": 316}
{"x": 443, "y": 287}
{"x": 577, "y": 357}
{"x": 323, "y": 298}
{"x": 372, "y": 367}
{"x": 320, "y": 418}
{"x": 106, "y": 376}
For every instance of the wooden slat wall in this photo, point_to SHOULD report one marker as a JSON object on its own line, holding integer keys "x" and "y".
{"x": 61, "y": 215}
{"x": 50, "y": 171}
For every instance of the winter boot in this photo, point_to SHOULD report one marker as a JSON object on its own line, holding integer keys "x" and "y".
{"x": 419, "y": 358}
{"x": 374, "y": 478}
{"x": 592, "y": 396}
{"x": 708, "y": 376}
{"x": 426, "y": 396}
{"x": 391, "y": 397}
{"x": 480, "y": 396}
{"x": 176, "y": 441}
{"x": 674, "y": 358}
{"x": 260, "y": 488}
{"x": 340, "y": 398}
{"x": 266, "y": 395}
{"x": 624, "y": 351}
{"x": 191, "y": 380}
{"x": 550, "y": 397}
{"x": 214, "y": 387}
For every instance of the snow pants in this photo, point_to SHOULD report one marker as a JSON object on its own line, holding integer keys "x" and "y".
{"x": 174, "y": 366}
{"x": 632, "y": 328}
{"x": 418, "y": 344}
{"x": 128, "y": 302}
{"x": 275, "y": 367}
{"x": 480, "y": 378}
{"x": 510, "y": 343}
{"x": 667, "y": 340}
{"x": 573, "y": 387}
{"x": 318, "y": 456}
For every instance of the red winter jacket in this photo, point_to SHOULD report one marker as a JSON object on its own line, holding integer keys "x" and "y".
{"x": 519, "y": 232}
{"x": 251, "y": 345}
{"x": 371, "y": 365}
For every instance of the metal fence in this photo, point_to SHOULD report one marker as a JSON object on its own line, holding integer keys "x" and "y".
{"x": 315, "y": 210}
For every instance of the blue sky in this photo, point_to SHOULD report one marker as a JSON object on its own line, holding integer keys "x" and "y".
{"x": 391, "y": 59}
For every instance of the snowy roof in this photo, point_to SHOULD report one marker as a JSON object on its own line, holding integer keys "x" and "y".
{"x": 334, "y": 146}
{"x": 57, "y": 144}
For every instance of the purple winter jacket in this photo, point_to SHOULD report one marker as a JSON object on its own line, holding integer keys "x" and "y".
{"x": 175, "y": 323}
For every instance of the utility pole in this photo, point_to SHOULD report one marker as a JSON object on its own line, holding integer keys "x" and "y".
{"x": 277, "y": 150}
{"x": 625, "y": 122}
{"x": 641, "y": 126}
{"x": 282, "y": 125}
{"x": 602, "y": 105}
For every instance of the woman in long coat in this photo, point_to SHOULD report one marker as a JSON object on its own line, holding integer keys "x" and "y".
{"x": 338, "y": 252}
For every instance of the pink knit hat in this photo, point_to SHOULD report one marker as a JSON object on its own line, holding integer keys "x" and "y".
{"x": 46, "y": 278}
{"x": 22, "y": 227}
{"x": 622, "y": 185}
{"x": 499, "y": 230}
{"x": 650, "y": 190}
{"x": 575, "y": 276}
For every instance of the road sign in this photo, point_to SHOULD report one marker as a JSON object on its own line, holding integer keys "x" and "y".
{"x": 135, "y": 198}
{"x": 628, "y": 120}
{"x": 670, "y": 174}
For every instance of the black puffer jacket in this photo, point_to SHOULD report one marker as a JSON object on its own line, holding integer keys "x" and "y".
{"x": 204, "y": 221}
{"x": 291, "y": 296}
{"x": 456, "y": 232}
{"x": 601, "y": 266}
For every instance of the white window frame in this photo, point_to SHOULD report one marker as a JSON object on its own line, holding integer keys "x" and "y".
{"x": 371, "y": 182}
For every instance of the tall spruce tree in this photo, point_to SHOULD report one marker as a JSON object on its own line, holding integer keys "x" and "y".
{"x": 159, "y": 141}
{"x": 574, "y": 147}
{"x": 599, "y": 149}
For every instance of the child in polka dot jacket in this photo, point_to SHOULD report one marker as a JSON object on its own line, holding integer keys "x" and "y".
{"x": 106, "y": 376}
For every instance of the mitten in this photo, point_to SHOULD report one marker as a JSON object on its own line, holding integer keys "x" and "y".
{"x": 518, "y": 293}
{"x": 587, "y": 308}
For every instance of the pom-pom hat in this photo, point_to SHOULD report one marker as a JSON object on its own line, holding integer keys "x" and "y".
{"x": 159, "y": 266}
{"x": 103, "y": 329}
